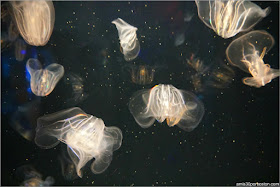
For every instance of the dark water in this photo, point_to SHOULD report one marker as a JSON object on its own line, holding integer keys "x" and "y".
{"x": 236, "y": 141}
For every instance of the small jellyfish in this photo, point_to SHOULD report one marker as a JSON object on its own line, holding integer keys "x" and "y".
{"x": 179, "y": 39}
{"x": 130, "y": 46}
{"x": 197, "y": 64}
{"x": 43, "y": 81}
{"x": 247, "y": 53}
{"x": 221, "y": 76}
{"x": 20, "y": 49}
{"x": 227, "y": 18}
{"x": 85, "y": 135}
{"x": 77, "y": 85}
{"x": 141, "y": 74}
{"x": 162, "y": 102}
{"x": 35, "y": 20}
{"x": 32, "y": 177}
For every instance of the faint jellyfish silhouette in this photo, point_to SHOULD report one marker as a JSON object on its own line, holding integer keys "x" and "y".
{"x": 23, "y": 119}
{"x": 247, "y": 53}
{"x": 32, "y": 177}
{"x": 43, "y": 81}
{"x": 162, "y": 102}
{"x": 12, "y": 32}
{"x": 20, "y": 49}
{"x": 130, "y": 46}
{"x": 179, "y": 39}
{"x": 35, "y": 20}
{"x": 200, "y": 71}
{"x": 227, "y": 18}
{"x": 197, "y": 65}
{"x": 77, "y": 84}
{"x": 67, "y": 166}
{"x": 221, "y": 76}
{"x": 86, "y": 137}
{"x": 141, "y": 74}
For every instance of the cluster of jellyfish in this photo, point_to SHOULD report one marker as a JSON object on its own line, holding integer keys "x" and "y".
{"x": 85, "y": 135}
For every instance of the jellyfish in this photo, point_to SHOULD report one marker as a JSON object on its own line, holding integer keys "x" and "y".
{"x": 43, "y": 81}
{"x": 227, "y": 18}
{"x": 35, "y": 20}
{"x": 162, "y": 102}
{"x": 85, "y": 135}
{"x": 197, "y": 64}
{"x": 130, "y": 46}
{"x": 32, "y": 177}
{"x": 247, "y": 53}
{"x": 141, "y": 74}
{"x": 221, "y": 76}
{"x": 20, "y": 49}
{"x": 78, "y": 85}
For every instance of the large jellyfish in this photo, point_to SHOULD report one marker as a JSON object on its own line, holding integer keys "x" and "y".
{"x": 227, "y": 18}
{"x": 35, "y": 20}
{"x": 43, "y": 81}
{"x": 162, "y": 102}
{"x": 86, "y": 137}
{"x": 130, "y": 46}
{"x": 247, "y": 53}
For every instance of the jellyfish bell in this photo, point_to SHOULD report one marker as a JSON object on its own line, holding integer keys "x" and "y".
{"x": 129, "y": 44}
{"x": 165, "y": 102}
{"x": 35, "y": 20}
{"x": 43, "y": 81}
{"x": 227, "y": 18}
{"x": 86, "y": 137}
{"x": 247, "y": 53}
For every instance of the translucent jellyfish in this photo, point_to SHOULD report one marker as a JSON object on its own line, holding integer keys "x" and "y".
{"x": 130, "y": 46}
{"x": 35, "y": 20}
{"x": 20, "y": 49}
{"x": 43, "y": 81}
{"x": 142, "y": 74}
{"x": 12, "y": 32}
{"x": 221, "y": 76}
{"x": 32, "y": 177}
{"x": 86, "y": 137}
{"x": 227, "y": 18}
{"x": 247, "y": 53}
{"x": 179, "y": 39}
{"x": 162, "y": 102}
{"x": 77, "y": 84}
{"x": 197, "y": 64}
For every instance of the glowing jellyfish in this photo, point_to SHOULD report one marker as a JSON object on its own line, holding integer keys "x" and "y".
{"x": 247, "y": 53}
{"x": 35, "y": 20}
{"x": 130, "y": 46}
{"x": 85, "y": 135}
{"x": 227, "y": 18}
{"x": 142, "y": 74}
{"x": 43, "y": 81}
{"x": 162, "y": 102}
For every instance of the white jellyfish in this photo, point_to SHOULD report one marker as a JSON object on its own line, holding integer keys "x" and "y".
{"x": 43, "y": 81}
{"x": 227, "y": 18}
{"x": 247, "y": 53}
{"x": 86, "y": 137}
{"x": 35, "y": 20}
{"x": 130, "y": 46}
{"x": 162, "y": 102}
